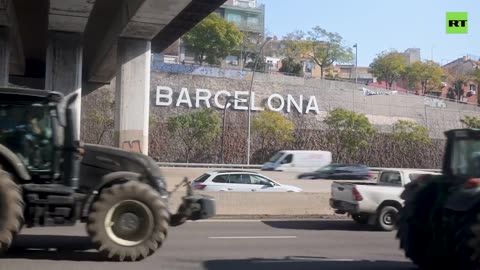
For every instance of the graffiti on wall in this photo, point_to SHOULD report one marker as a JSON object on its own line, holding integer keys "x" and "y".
{"x": 132, "y": 146}
{"x": 199, "y": 70}
{"x": 434, "y": 102}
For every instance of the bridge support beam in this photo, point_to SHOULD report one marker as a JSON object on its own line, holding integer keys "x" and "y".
{"x": 132, "y": 94}
{"x": 64, "y": 67}
{"x": 4, "y": 55}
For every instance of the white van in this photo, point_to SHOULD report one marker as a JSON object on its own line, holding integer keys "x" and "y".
{"x": 298, "y": 161}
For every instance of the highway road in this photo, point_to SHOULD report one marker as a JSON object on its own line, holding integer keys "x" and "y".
{"x": 222, "y": 245}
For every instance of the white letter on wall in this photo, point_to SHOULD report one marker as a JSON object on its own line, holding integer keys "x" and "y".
{"x": 254, "y": 107}
{"x": 291, "y": 100}
{"x": 217, "y": 103}
{"x": 312, "y": 105}
{"x": 167, "y": 96}
{"x": 186, "y": 99}
{"x": 240, "y": 100}
{"x": 205, "y": 98}
{"x": 282, "y": 103}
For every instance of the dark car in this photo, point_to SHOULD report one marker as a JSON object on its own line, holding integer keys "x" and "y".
{"x": 340, "y": 172}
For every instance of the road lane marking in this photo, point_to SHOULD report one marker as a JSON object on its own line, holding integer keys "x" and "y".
{"x": 261, "y": 220}
{"x": 252, "y": 237}
{"x": 224, "y": 220}
{"x": 305, "y": 260}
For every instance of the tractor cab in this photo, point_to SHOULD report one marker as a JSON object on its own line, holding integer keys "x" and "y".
{"x": 48, "y": 179}
{"x": 38, "y": 127}
{"x": 462, "y": 156}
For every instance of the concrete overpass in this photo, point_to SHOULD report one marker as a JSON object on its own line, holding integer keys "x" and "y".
{"x": 81, "y": 45}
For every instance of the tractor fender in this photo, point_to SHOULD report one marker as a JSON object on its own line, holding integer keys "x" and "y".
{"x": 12, "y": 162}
{"x": 463, "y": 199}
{"x": 107, "y": 181}
{"x": 119, "y": 177}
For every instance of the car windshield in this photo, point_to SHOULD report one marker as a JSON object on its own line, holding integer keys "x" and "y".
{"x": 326, "y": 168}
{"x": 276, "y": 157}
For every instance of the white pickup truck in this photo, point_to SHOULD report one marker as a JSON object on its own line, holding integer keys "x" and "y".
{"x": 374, "y": 203}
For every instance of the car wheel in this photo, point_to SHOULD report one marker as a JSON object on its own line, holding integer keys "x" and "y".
{"x": 386, "y": 218}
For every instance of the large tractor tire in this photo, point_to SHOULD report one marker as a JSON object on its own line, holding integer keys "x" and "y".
{"x": 465, "y": 234}
{"x": 11, "y": 210}
{"x": 128, "y": 221}
{"x": 421, "y": 228}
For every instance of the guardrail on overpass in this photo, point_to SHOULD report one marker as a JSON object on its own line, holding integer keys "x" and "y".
{"x": 257, "y": 166}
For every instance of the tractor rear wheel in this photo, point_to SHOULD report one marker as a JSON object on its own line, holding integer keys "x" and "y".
{"x": 421, "y": 228}
{"x": 467, "y": 240}
{"x": 11, "y": 210}
{"x": 129, "y": 221}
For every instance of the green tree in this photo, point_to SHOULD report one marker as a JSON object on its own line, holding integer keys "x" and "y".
{"x": 323, "y": 47}
{"x": 99, "y": 118}
{"x": 272, "y": 130}
{"x": 476, "y": 79}
{"x": 471, "y": 121}
{"x": 261, "y": 64}
{"x": 349, "y": 131}
{"x": 388, "y": 67}
{"x": 294, "y": 45}
{"x": 404, "y": 130}
{"x": 291, "y": 66}
{"x": 195, "y": 130}
{"x": 213, "y": 39}
{"x": 249, "y": 47}
{"x": 425, "y": 75}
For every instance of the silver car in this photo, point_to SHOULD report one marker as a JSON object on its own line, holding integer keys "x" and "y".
{"x": 239, "y": 181}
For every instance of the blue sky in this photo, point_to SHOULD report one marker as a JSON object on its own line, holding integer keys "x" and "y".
{"x": 378, "y": 25}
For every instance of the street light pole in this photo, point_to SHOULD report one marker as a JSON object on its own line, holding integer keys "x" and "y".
{"x": 227, "y": 101}
{"x": 356, "y": 74}
{"x": 356, "y": 63}
{"x": 250, "y": 99}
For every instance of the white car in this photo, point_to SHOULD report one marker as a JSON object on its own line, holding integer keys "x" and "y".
{"x": 239, "y": 181}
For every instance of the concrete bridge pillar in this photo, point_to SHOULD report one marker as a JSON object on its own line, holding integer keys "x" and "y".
{"x": 4, "y": 55}
{"x": 132, "y": 94}
{"x": 64, "y": 66}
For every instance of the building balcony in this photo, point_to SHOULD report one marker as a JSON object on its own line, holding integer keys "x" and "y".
{"x": 260, "y": 9}
{"x": 247, "y": 27}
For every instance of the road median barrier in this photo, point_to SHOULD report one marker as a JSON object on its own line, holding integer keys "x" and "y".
{"x": 266, "y": 203}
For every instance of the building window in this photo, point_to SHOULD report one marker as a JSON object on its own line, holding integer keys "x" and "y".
{"x": 473, "y": 89}
{"x": 236, "y": 18}
{"x": 252, "y": 21}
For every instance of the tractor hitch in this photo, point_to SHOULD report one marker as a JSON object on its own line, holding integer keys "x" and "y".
{"x": 193, "y": 206}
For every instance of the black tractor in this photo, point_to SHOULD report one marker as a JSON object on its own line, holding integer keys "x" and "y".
{"x": 439, "y": 225}
{"x": 49, "y": 178}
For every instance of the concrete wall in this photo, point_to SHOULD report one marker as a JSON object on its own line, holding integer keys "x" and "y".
{"x": 382, "y": 110}
{"x": 266, "y": 204}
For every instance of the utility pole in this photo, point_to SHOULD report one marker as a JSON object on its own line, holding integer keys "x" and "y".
{"x": 250, "y": 100}
{"x": 227, "y": 101}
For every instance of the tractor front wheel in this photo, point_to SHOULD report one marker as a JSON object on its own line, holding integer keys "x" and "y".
{"x": 128, "y": 221}
{"x": 11, "y": 210}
